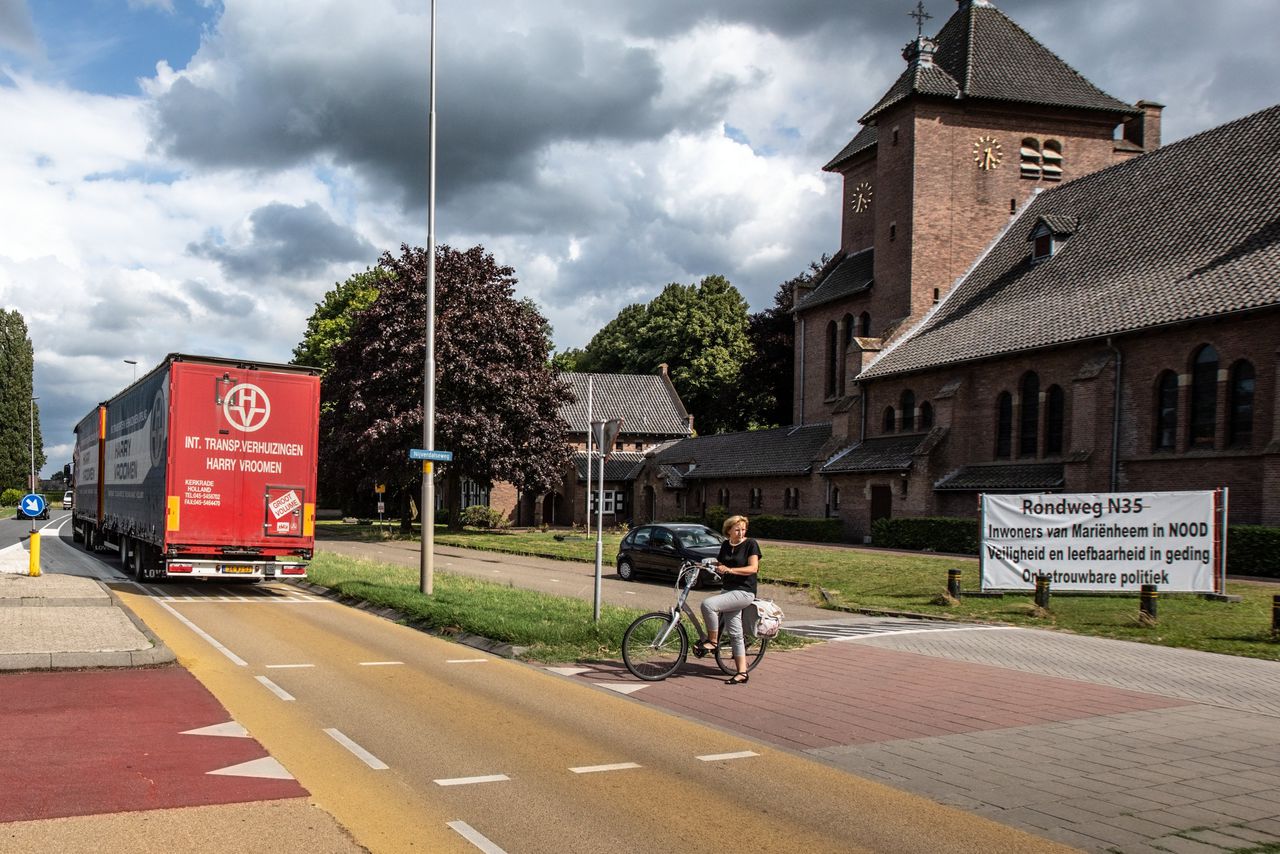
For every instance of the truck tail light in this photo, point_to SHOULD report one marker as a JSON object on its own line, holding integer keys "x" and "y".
{"x": 179, "y": 567}
{"x": 293, "y": 570}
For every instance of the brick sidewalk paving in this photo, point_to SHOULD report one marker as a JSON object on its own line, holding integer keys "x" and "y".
{"x": 1104, "y": 745}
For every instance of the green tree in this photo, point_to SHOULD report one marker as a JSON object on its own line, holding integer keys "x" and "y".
{"x": 699, "y": 331}
{"x": 330, "y": 324}
{"x": 768, "y": 379}
{"x": 497, "y": 401}
{"x": 17, "y": 372}
{"x": 566, "y": 360}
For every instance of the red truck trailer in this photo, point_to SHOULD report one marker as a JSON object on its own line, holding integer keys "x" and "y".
{"x": 203, "y": 467}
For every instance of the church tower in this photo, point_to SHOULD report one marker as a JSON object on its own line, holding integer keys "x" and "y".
{"x": 982, "y": 117}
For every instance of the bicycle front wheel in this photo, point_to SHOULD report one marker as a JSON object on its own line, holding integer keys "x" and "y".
{"x": 755, "y": 651}
{"x": 649, "y": 655}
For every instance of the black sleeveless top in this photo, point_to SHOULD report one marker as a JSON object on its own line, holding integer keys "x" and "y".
{"x": 737, "y": 557}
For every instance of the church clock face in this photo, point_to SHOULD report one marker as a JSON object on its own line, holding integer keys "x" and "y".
{"x": 861, "y": 197}
{"x": 986, "y": 153}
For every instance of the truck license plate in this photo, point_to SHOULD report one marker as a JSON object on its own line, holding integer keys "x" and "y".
{"x": 238, "y": 569}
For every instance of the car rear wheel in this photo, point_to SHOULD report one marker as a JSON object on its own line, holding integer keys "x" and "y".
{"x": 626, "y": 570}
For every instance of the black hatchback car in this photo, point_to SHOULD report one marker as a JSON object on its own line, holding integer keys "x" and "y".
{"x": 659, "y": 549}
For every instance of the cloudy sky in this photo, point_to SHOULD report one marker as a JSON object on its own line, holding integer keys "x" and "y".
{"x": 193, "y": 175}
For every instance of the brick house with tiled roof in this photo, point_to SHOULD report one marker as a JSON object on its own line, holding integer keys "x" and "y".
{"x": 1030, "y": 295}
{"x": 652, "y": 415}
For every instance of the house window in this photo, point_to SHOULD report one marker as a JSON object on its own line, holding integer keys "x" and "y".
{"x": 1204, "y": 396}
{"x": 835, "y": 498}
{"x": 791, "y": 498}
{"x": 1041, "y": 244}
{"x": 908, "y": 402}
{"x": 926, "y": 416}
{"x": 1166, "y": 411}
{"x": 1240, "y": 426}
{"x": 614, "y": 502}
{"x": 864, "y": 325}
{"x": 893, "y": 231}
{"x": 757, "y": 500}
{"x": 1004, "y": 425}
{"x": 832, "y": 342}
{"x": 722, "y": 498}
{"x": 1029, "y": 424}
{"x": 888, "y": 419}
{"x": 1055, "y": 417}
{"x": 1052, "y": 160}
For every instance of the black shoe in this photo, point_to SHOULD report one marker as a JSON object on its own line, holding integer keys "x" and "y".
{"x": 702, "y": 648}
{"x": 737, "y": 679}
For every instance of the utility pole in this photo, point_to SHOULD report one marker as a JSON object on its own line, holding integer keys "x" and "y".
{"x": 427, "y": 579}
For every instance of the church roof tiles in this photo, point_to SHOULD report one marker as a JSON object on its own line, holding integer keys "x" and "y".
{"x": 779, "y": 452}
{"x": 1179, "y": 234}
{"x": 646, "y": 403}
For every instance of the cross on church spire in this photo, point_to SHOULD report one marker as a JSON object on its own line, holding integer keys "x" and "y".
{"x": 921, "y": 16}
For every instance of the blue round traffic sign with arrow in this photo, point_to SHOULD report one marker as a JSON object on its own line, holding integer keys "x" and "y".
{"x": 32, "y": 504}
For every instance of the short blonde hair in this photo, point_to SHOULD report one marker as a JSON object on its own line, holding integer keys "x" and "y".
{"x": 730, "y": 522}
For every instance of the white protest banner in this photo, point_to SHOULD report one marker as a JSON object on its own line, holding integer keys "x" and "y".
{"x": 1112, "y": 541}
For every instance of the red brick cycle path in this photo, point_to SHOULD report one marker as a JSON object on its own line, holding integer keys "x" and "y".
{"x": 844, "y": 693}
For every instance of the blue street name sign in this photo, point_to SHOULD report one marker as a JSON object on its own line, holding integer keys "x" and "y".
{"x": 32, "y": 504}
{"x": 435, "y": 456}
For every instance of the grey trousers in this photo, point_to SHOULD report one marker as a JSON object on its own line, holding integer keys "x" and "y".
{"x": 730, "y": 603}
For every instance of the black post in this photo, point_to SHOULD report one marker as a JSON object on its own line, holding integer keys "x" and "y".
{"x": 1042, "y": 591}
{"x": 1275, "y": 617}
{"x": 953, "y": 583}
{"x": 1147, "y": 602}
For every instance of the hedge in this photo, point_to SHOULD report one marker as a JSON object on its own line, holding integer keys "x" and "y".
{"x": 927, "y": 533}
{"x": 1251, "y": 549}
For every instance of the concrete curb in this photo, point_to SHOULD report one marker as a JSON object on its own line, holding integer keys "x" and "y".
{"x": 498, "y": 648}
{"x": 159, "y": 652}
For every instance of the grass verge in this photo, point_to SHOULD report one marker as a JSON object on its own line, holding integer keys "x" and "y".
{"x": 551, "y": 628}
{"x": 871, "y": 580}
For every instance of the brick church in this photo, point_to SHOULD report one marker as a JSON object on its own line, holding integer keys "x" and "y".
{"x": 1030, "y": 294}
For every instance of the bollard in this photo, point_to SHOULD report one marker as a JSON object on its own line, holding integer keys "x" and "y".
{"x": 1147, "y": 600}
{"x": 1275, "y": 617}
{"x": 953, "y": 583}
{"x": 1042, "y": 591}
{"x": 33, "y": 567}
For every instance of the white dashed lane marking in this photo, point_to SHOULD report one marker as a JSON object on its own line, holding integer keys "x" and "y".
{"x": 363, "y": 755}
{"x": 275, "y": 689}
{"x": 476, "y": 838}
{"x": 468, "y": 781}
{"x": 716, "y": 757}
{"x": 593, "y": 769}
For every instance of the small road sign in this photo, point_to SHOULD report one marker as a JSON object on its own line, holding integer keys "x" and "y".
{"x": 32, "y": 504}
{"x": 435, "y": 456}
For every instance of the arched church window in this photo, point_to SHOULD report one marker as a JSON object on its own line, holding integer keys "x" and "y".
{"x": 888, "y": 422}
{"x": 832, "y": 347}
{"x": 1240, "y": 428}
{"x": 1029, "y": 423}
{"x": 864, "y": 325}
{"x": 1166, "y": 411}
{"x": 908, "y": 403}
{"x": 1004, "y": 425}
{"x": 1204, "y": 396}
{"x": 1055, "y": 417}
{"x": 1030, "y": 159}
{"x": 1052, "y": 160}
{"x": 926, "y": 416}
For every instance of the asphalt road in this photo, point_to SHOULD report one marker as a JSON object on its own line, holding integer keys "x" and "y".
{"x": 415, "y": 743}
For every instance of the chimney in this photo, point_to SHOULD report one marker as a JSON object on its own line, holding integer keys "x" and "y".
{"x": 1144, "y": 130}
{"x": 662, "y": 369}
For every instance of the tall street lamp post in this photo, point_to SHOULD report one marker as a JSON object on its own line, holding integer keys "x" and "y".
{"x": 133, "y": 362}
{"x": 427, "y": 562}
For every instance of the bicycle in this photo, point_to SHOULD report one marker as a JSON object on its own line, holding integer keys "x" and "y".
{"x": 656, "y": 644}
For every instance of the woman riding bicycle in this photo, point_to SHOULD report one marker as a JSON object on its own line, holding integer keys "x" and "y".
{"x": 738, "y": 564}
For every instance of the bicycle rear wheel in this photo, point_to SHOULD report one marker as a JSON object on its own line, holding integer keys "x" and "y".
{"x": 755, "y": 651}
{"x": 644, "y": 656}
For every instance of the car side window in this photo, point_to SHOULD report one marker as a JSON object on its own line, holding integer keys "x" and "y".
{"x": 662, "y": 537}
{"x": 640, "y": 537}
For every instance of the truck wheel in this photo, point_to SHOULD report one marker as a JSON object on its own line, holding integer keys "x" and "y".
{"x": 77, "y": 535}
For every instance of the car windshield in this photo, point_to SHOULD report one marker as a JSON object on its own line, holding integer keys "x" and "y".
{"x": 698, "y": 538}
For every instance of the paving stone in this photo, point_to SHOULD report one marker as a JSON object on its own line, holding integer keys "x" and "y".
{"x": 1180, "y": 845}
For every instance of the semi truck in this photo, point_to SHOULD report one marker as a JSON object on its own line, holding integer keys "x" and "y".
{"x": 203, "y": 467}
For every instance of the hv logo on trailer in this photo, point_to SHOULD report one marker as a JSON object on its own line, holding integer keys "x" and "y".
{"x": 247, "y": 407}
